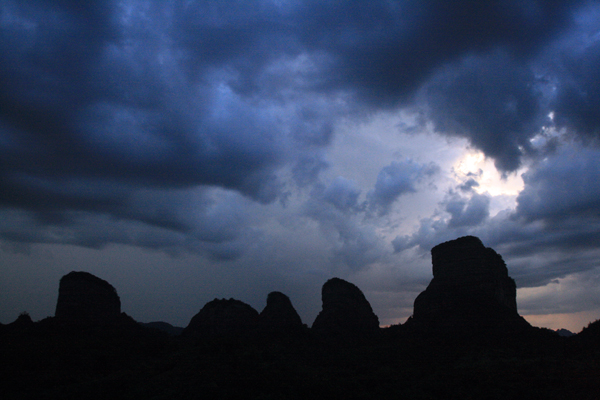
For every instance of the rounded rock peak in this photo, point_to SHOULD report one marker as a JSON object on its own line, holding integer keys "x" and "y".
{"x": 277, "y": 298}
{"x": 345, "y": 310}
{"x": 340, "y": 288}
{"x": 223, "y": 317}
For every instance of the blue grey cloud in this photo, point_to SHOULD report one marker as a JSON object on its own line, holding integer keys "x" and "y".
{"x": 562, "y": 187}
{"x": 103, "y": 101}
{"x": 467, "y": 212}
{"x": 395, "y": 180}
{"x": 343, "y": 194}
{"x": 217, "y": 129}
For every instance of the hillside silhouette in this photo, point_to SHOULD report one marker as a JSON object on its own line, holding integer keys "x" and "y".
{"x": 464, "y": 340}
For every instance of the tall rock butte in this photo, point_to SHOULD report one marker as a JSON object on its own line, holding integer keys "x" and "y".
{"x": 470, "y": 291}
{"x": 85, "y": 298}
{"x": 345, "y": 311}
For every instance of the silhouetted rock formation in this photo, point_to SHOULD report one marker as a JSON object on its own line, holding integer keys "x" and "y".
{"x": 587, "y": 342}
{"x": 51, "y": 359}
{"x": 22, "y": 323}
{"x": 279, "y": 315}
{"x": 222, "y": 318}
{"x": 85, "y": 298}
{"x": 592, "y": 331}
{"x": 470, "y": 291}
{"x": 346, "y": 311}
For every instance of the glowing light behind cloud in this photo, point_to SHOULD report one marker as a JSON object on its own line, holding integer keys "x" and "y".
{"x": 475, "y": 164}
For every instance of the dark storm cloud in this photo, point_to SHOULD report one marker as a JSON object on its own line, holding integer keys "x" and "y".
{"x": 492, "y": 101}
{"x": 576, "y": 77}
{"x": 579, "y": 98}
{"x": 173, "y": 221}
{"x": 562, "y": 187}
{"x": 385, "y": 49}
{"x": 100, "y": 111}
{"x": 482, "y": 69}
{"x": 106, "y": 103}
{"x": 478, "y": 62}
{"x": 122, "y": 107}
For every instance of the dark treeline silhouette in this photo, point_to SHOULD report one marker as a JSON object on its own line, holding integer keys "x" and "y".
{"x": 464, "y": 340}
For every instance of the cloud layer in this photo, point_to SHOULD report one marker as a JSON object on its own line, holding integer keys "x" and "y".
{"x": 203, "y": 127}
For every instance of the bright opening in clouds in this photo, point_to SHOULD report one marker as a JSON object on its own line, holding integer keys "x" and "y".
{"x": 188, "y": 150}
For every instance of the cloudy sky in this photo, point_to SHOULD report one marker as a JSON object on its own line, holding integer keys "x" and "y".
{"x": 188, "y": 150}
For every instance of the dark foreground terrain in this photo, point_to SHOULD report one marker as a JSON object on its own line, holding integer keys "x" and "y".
{"x": 465, "y": 340}
{"x": 44, "y": 360}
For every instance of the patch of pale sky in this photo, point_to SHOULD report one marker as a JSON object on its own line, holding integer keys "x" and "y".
{"x": 570, "y": 302}
{"x": 574, "y": 322}
{"x": 361, "y": 150}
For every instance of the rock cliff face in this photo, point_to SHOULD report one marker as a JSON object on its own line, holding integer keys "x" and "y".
{"x": 279, "y": 316}
{"x": 345, "y": 311}
{"x": 222, "y": 317}
{"x": 85, "y": 298}
{"x": 470, "y": 290}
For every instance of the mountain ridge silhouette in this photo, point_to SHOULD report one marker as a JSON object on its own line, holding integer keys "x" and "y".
{"x": 91, "y": 349}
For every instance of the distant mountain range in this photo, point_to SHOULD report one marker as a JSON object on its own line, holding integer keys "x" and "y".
{"x": 164, "y": 327}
